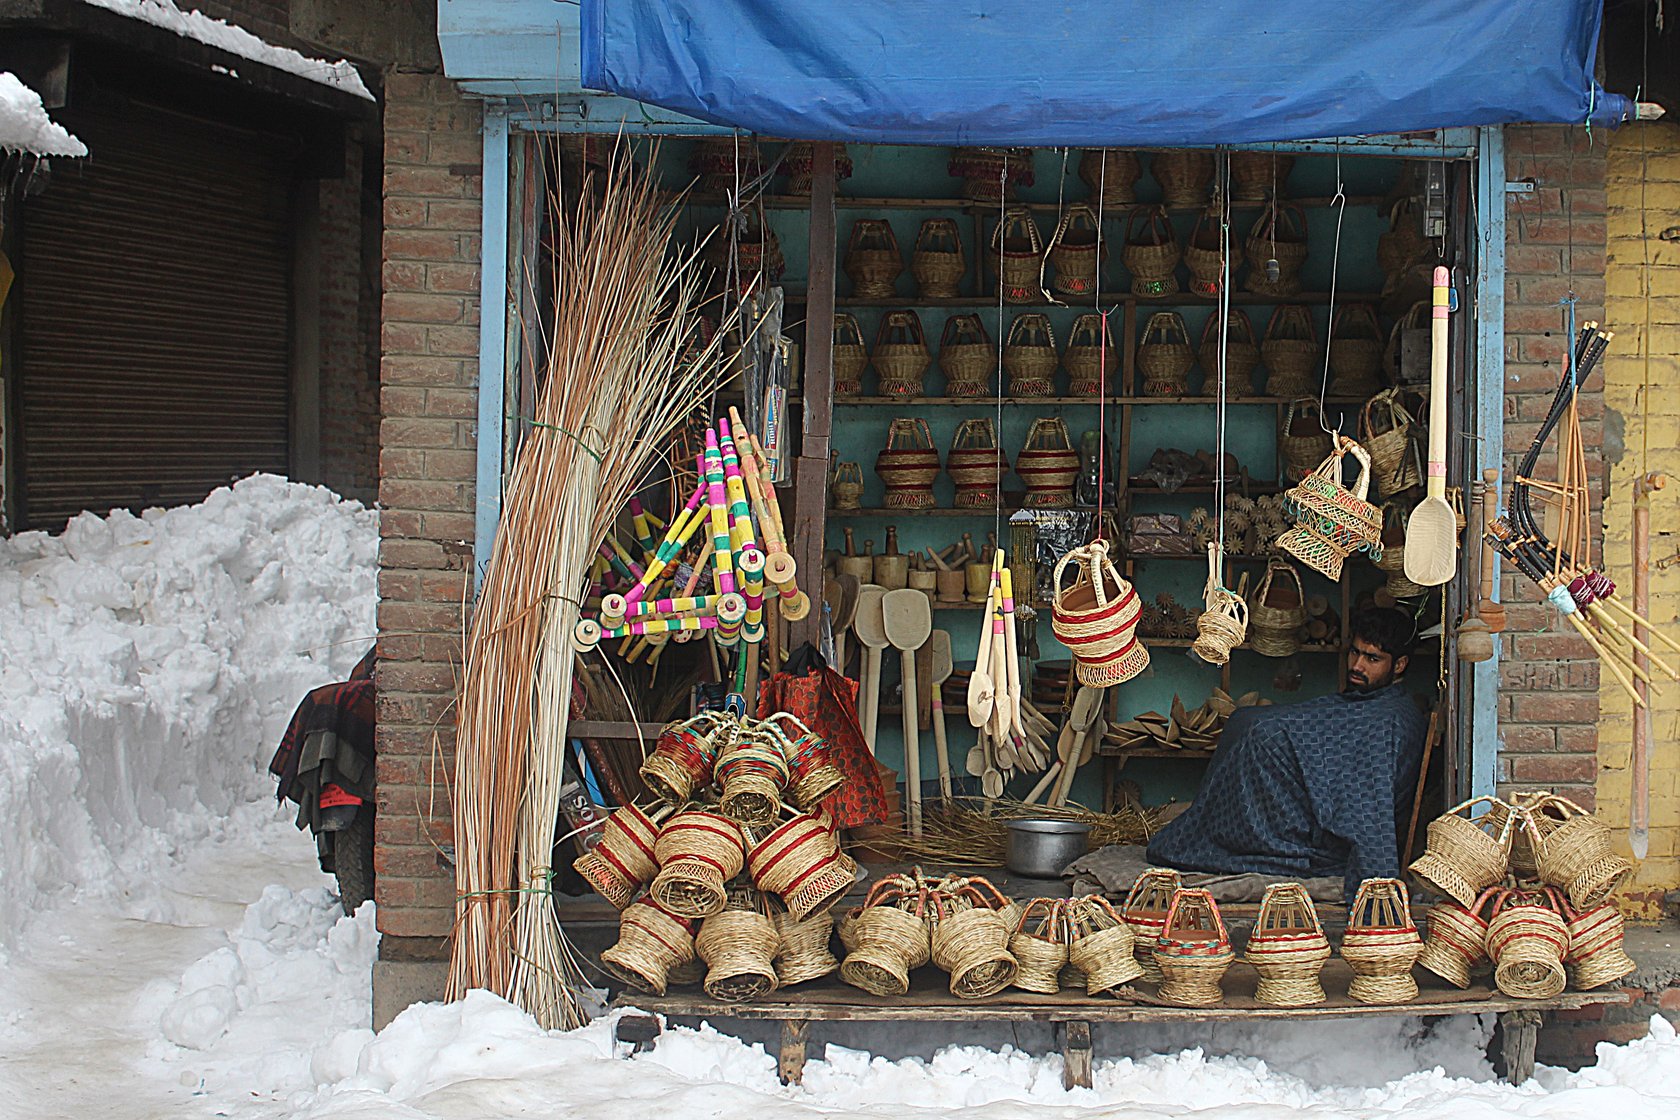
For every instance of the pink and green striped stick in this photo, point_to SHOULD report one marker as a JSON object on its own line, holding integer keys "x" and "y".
{"x": 717, "y": 499}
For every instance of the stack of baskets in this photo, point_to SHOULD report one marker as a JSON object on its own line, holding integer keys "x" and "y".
{"x": 966, "y": 357}
{"x": 1048, "y": 465}
{"x": 1096, "y": 618}
{"x": 908, "y": 464}
{"x": 1331, "y": 521}
{"x": 1090, "y": 357}
{"x": 963, "y": 925}
{"x": 976, "y": 464}
{"x": 1029, "y": 356}
{"x": 901, "y": 355}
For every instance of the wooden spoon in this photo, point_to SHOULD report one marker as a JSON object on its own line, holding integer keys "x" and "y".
{"x": 942, "y": 668}
{"x": 1431, "y": 557}
{"x": 909, "y": 624}
{"x": 869, "y": 624}
{"x": 981, "y": 688}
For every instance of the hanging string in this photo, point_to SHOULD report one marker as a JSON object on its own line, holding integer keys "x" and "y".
{"x": 1339, "y": 201}
{"x": 1102, "y": 352}
{"x": 1061, "y": 216}
{"x": 1223, "y": 310}
{"x": 997, "y": 491}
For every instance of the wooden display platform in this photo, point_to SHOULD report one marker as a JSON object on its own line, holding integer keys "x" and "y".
{"x": 929, "y": 1000}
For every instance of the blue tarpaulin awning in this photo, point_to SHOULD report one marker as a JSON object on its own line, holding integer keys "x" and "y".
{"x": 1120, "y": 73}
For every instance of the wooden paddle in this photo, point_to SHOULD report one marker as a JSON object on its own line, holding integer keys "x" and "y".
{"x": 840, "y": 592}
{"x": 1087, "y": 706}
{"x": 869, "y": 624}
{"x": 940, "y": 641}
{"x": 1431, "y": 557}
{"x": 980, "y": 684}
{"x": 909, "y": 623}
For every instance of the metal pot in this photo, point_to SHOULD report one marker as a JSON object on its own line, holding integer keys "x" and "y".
{"x": 1040, "y": 847}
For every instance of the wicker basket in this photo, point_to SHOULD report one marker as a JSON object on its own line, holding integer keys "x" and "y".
{"x": 908, "y": 464}
{"x": 1039, "y": 945}
{"x": 725, "y": 162}
{"x": 1287, "y": 948}
{"x": 1100, "y": 945}
{"x": 991, "y": 174}
{"x": 1145, "y": 912}
{"x": 890, "y": 936}
{"x": 1331, "y": 521}
{"x": 1291, "y": 353}
{"x": 1076, "y": 252}
{"x": 1382, "y": 944}
{"x": 1193, "y": 950}
{"x": 976, "y": 463}
{"x": 1280, "y": 234}
{"x": 802, "y": 948}
{"x": 1029, "y": 356}
{"x": 751, "y": 254}
{"x": 851, "y": 356}
{"x": 623, "y": 861}
{"x": 1164, "y": 356}
{"x": 1356, "y": 346}
{"x": 1577, "y": 858}
{"x": 1596, "y": 953}
{"x": 1258, "y": 176}
{"x": 1096, "y": 618}
{"x": 813, "y": 772}
{"x": 1392, "y": 561}
{"x": 970, "y": 941}
{"x": 1537, "y": 821}
{"x": 1048, "y": 465}
{"x": 752, "y": 772}
{"x": 1277, "y": 611}
{"x": 1242, "y": 353}
{"x": 800, "y": 861}
{"x": 698, "y": 853}
{"x": 1206, "y": 257}
{"x": 800, "y": 161}
{"x": 1017, "y": 257}
{"x": 1223, "y": 624}
{"x": 1090, "y": 357}
{"x": 967, "y": 357}
{"x": 681, "y": 761}
{"x": 901, "y": 355}
{"x": 1527, "y": 939}
{"x": 1112, "y": 175}
{"x": 1185, "y": 175}
{"x": 1465, "y": 855}
{"x": 937, "y": 262}
{"x": 1385, "y": 428}
{"x": 651, "y": 942}
{"x": 873, "y": 260}
{"x": 846, "y": 488}
{"x": 1151, "y": 252}
{"x": 739, "y": 947}
{"x": 1404, "y": 244}
{"x": 1303, "y": 442}
{"x": 1457, "y": 940}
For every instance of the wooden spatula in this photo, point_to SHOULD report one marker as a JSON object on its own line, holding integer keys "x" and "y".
{"x": 940, "y": 640}
{"x": 981, "y": 687}
{"x": 869, "y": 624}
{"x": 909, "y": 623}
{"x": 1431, "y": 557}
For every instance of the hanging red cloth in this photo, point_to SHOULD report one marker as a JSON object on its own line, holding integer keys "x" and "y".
{"x": 827, "y": 703}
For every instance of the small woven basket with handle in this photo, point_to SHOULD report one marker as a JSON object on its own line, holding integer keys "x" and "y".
{"x": 1242, "y": 353}
{"x": 1287, "y": 948}
{"x": 1029, "y": 356}
{"x": 1017, "y": 257}
{"x": 901, "y": 355}
{"x": 1145, "y": 912}
{"x": 937, "y": 262}
{"x": 1151, "y": 252}
{"x": 1386, "y": 430}
{"x": 1465, "y": 854}
{"x": 1048, "y": 465}
{"x": 1096, "y": 618}
{"x": 1193, "y": 950}
{"x": 908, "y": 464}
{"x": 1290, "y": 352}
{"x": 873, "y": 260}
{"x": 1280, "y": 235}
{"x": 1382, "y": 944}
{"x": 967, "y": 357}
{"x": 1333, "y": 521}
{"x": 1164, "y": 356}
{"x": 1112, "y": 175}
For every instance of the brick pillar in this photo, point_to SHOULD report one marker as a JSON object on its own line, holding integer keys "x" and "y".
{"x": 428, "y": 395}
{"x": 349, "y": 369}
{"x": 1549, "y": 679}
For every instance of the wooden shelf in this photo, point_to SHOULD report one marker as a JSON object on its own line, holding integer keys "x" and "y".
{"x": 1113, "y": 212}
{"x": 1062, "y": 402}
{"x": 1238, "y": 299}
{"x": 1186, "y": 643}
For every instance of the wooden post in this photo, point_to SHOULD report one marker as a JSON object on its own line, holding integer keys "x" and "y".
{"x": 639, "y": 1031}
{"x": 811, "y": 469}
{"x": 1519, "y": 1033}
{"x": 790, "y": 1063}
{"x": 1076, "y": 1054}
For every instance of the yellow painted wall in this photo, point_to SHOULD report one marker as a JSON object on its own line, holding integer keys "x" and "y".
{"x": 1642, "y": 282}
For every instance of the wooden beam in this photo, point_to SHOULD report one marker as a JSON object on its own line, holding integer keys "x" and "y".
{"x": 811, "y": 470}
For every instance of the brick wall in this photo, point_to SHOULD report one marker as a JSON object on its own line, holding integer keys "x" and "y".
{"x": 1549, "y": 680}
{"x": 349, "y": 305}
{"x": 428, "y": 379}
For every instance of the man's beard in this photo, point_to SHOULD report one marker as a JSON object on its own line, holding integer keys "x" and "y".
{"x": 1362, "y": 683}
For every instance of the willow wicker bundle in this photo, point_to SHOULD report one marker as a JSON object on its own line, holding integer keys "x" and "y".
{"x": 1287, "y": 948}
{"x": 800, "y": 162}
{"x": 873, "y": 260}
{"x": 1076, "y": 252}
{"x": 1090, "y": 357}
{"x": 739, "y": 947}
{"x": 1303, "y": 441}
{"x": 1017, "y": 256}
{"x": 1279, "y": 235}
{"x": 970, "y": 940}
{"x": 802, "y": 948}
{"x": 966, "y": 357}
{"x": 1392, "y": 561}
{"x": 622, "y": 862}
{"x": 1164, "y": 356}
{"x": 1331, "y": 521}
{"x": 1048, "y": 465}
{"x": 846, "y": 489}
{"x": 682, "y": 760}
{"x": 698, "y": 853}
{"x": 1096, "y": 618}
{"x": 1151, "y": 252}
{"x": 1277, "y": 611}
{"x": 1029, "y": 356}
{"x": 1145, "y": 912}
{"x": 890, "y": 936}
{"x": 1385, "y": 428}
{"x": 1576, "y": 857}
{"x": 991, "y": 174}
{"x": 1527, "y": 939}
{"x": 1193, "y": 950}
{"x": 1039, "y": 945}
{"x": 800, "y": 862}
{"x": 901, "y": 355}
{"x": 908, "y": 464}
{"x": 1596, "y": 953}
{"x": 1356, "y": 346}
{"x": 1457, "y": 940}
{"x": 1381, "y": 944}
{"x": 651, "y": 942}
{"x": 1465, "y": 855}
{"x": 1242, "y": 353}
{"x": 1100, "y": 945}
{"x": 937, "y": 262}
{"x": 1290, "y": 352}
{"x": 1185, "y": 175}
{"x": 1258, "y": 176}
{"x": 976, "y": 463}
{"x": 851, "y": 356}
{"x": 1205, "y": 255}
{"x": 1112, "y": 175}
{"x": 725, "y": 162}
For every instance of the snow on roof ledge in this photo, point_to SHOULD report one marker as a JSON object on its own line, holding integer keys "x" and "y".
{"x": 25, "y": 126}
{"x": 236, "y": 40}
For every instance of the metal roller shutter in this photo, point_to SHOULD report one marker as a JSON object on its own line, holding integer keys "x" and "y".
{"x": 154, "y": 325}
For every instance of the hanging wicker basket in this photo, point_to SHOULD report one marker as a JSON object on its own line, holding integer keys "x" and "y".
{"x": 1527, "y": 940}
{"x": 1331, "y": 521}
{"x": 1029, "y": 356}
{"x": 1287, "y": 948}
{"x": 851, "y": 356}
{"x": 889, "y": 937}
{"x": 1017, "y": 257}
{"x": 1090, "y": 357}
{"x": 1100, "y": 945}
{"x": 1303, "y": 441}
{"x": 698, "y": 853}
{"x": 1193, "y": 951}
{"x": 1151, "y": 252}
{"x": 1577, "y": 857}
{"x": 1223, "y": 624}
{"x": 1280, "y": 235}
{"x": 1076, "y": 251}
{"x": 1291, "y": 352}
{"x": 908, "y": 464}
{"x": 1096, "y": 618}
{"x": 1385, "y": 428}
{"x": 901, "y": 355}
{"x": 1392, "y": 561}
{"x": 1277, "y": 611}
{"x": 967, "y": 357}
{"x": 1457, "y": 940}
{"x": 970, "y": 940}
{"x": 748, "y": 252}
{"x": 937, "y": 262}
{"x": 1259, "y": 176}
{"x": 1597, "y": 955}
{"x": 1112, "y": 175}
{"x": 1039, "y": 944}
{"x": 1205, "y": 255}
{"x": 1242, "y": 353}
{"x": 991, "y": 174}
{"x": 873, "y": 260}
{"x": 651, "y": 942}
{"x": 1464, "y": 854}
{"x": 802, "y": 948}
{"x": 1185, "y": 175}
{"x": 1382, "y": 944}
{"x": 622, "y": 862}
{"x": 725, "y": 163}
{"x": 1145, "y": 911}
{"x": 976, "y": 463}
{"x": 800, "y": 162}
{"x": 1164, "y": 356}
{"x": 1356, "y": 346}
{"x": 1048, "y": 465}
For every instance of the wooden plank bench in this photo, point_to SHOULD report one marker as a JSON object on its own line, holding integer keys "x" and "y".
{"x": 929, "y": 1001}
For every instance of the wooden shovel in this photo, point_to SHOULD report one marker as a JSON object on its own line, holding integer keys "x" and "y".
{"x": 942, "y": 669}
{"x": 909, "y": 623}
{"x": 1431, "y": 557}
{"x": 869, "y": 624}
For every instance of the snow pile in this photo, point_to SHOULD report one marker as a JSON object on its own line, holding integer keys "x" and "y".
{"x": 25, "y": 126}
{"x": 236, "y": 40}
{"x": 149, "y": 665}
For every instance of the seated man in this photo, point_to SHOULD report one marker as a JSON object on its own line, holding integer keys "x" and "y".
{"x": 1316, "y": 788}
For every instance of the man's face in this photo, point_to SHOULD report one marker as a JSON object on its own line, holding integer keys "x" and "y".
{"x": 1369, "y": 668}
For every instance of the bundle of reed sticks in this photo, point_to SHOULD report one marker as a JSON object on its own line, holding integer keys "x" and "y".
{"x": 624, "y": 367}
{"x": 976, "y": 833}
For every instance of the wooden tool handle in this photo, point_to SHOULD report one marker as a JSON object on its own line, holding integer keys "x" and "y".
{"x": 943, "y": 758}
{"x": 1490, "y": 513}
{"x": 1438, "y": 385}
{"x": 912, "y": 741}
{"x": 870, "y": 697}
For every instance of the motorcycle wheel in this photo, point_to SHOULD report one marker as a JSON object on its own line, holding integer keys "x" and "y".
{"x": 353, "y": 860}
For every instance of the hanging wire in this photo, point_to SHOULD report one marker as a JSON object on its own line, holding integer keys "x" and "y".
{"x": 1223, "y": 310}
{"x": 997, "y": 491}
{"x": 1339, "y": 201}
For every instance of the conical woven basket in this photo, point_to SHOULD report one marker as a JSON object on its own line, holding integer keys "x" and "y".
{"x": 1277, "y": 611}
{"x": 937, "y": 262}
{"x": 1287, "y": 948}
{"x": 851, "y": 356}
{"x": 1597, "y": 955}
{"x": 698, "y": 853}
{"x": 1029, "y": 356}
{"x": 802, "y": 948}
{"x": 1193, "y": 951}
{"x": 1332, "y": 521}
{"x": 1279, "y": 234}
{"x": 908, "y": 464}
{"x": 1577, "y": 856}
{"x": 1151, "y": 252}
{"x": 739, "y": 948}
{"x": 1465, "y": 855}
{"x": 1527, "y": 939}
{"x": 1303, "y": 441}
{"x": 1096, "y": 618}
{"x": 1382, "y": 944}
{"x": 1048, "y": 465}
{"x": 651, "y": 942}
{"x": 1386, "y": 429}
{"x": 800, "y": 161}
{"x": 1039, "y": 945}
{"x": 1100, "y": 945}
{"x": 976, "y": 463}
{"x": 1258, "y": 176}
{"x": 1457, "y": 940}
{"x": 1356, "y": 346}
{"x": 991, "y": 174}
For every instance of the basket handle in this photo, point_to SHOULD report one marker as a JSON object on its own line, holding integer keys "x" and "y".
{"x": 1360, "y": 316}
{"x": 1361, "y": 484}
{"x": 1184, "y": 893}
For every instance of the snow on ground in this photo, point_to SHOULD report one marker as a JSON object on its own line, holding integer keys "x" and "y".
{"x": 25, "y": 126}
{"x": 236, "y": 40}
{"x": 200, "y": 966}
